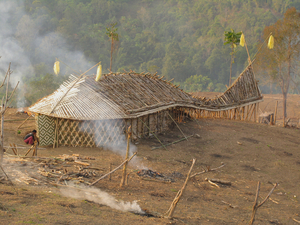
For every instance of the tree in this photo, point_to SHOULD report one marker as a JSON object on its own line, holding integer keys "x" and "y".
{"x": 4, "y": 105}
{"x": 233, "y": 39}
{"x": 280, "y": 62}
{"x": 113, "y": 35}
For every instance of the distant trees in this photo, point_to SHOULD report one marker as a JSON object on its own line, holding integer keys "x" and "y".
{"x": 280, "y": 63}
{"x": 175, "y": 38}
{"x": 202, "y": 83}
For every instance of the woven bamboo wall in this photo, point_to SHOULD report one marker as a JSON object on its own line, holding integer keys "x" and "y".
{"x": 111, "y": 132}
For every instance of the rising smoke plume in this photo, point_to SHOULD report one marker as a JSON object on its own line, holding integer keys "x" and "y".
{"x": 101, "y": 197}
{"x": 26, "y": 43}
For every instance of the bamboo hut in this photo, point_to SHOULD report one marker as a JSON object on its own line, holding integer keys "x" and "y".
{"x": 85, "y": 112}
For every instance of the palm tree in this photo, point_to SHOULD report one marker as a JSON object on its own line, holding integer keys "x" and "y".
{"x": 113, "y": 35}
{"x": 233, "y": 39}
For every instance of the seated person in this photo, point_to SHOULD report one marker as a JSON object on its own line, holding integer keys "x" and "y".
{"x": 30, "y": 138}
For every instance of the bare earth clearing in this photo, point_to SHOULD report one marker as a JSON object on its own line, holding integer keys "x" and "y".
{"x": 251, "y": 153}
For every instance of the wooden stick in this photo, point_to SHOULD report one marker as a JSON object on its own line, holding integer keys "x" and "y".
{"x": 127, "y": 178}
{"x": 9, "y": 179}
{"x": 127, "y": 160}
{"x": 256, "y": 205}
{"x": 219, "y": 181}
{"x": 15, "y": 148}
{"x": 110, "y": 171}
{"x": 177, "y": 126}
{"x": 23, "y": 122}
{"x": 153, "y": 134}
{"x": 179, "y": 193}
{"x": 174, "y": 142}
{"x": 75, "y": 82}
{"x": 28, "y": 150}
{"x": 296, "y": 220}
{"x": 208, "y": 170}
{"x": 275, "y": 115}
{"x": 12, "y": 148}
{"x": 126, "y": 157}
{"x": 212, "y": 183}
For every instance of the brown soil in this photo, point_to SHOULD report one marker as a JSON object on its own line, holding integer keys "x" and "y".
{"x": 251, "y": 153}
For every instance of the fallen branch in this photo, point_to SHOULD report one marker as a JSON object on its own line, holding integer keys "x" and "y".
{"x": 182, "y": 139}
{"x": 230, "y": 205}
{"x": 148, "y": 179}
{"x": 82, "y": 163}
{"x": 256, "y": 205}
{"x": 179, "y": 193}
{"x": 127, "y": 160}
{"x": 219, "y": 181}
{"x": 212, "y": 183}
{"x": 9, "y": 179}
{"x": 206, "y": 171}
{"x": 296, "y": 220}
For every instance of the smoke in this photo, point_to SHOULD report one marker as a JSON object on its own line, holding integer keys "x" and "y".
{"x": 109, "y": 134}
{"x": 101, "y": 197}
{"x": 26, "y": 172}
{"x": 32, "y": 46}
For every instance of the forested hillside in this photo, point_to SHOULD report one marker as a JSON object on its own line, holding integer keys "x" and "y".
{"x": 180, "y": 39}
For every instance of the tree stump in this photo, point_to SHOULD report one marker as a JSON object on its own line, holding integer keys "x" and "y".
{"x": 267, "y": 118}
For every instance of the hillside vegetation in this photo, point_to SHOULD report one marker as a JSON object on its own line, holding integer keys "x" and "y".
{"x": 180, "y": 39}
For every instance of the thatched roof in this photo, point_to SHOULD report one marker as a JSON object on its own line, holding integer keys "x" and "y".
{"x": 130, "y": 95}
{"x": 115, "y": 96}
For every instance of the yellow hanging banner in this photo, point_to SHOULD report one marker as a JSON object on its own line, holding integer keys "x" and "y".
{"x": 99, "y": 73}
{"x": 271, "y": 42}
{"x": 56, "y": 67}
{"x": 242, "y": 40}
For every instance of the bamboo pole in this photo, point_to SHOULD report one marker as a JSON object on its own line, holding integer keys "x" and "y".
{"x": 127, "y": 160}
{"x": 275, "y": 115}
{"x": 153, "y": 133}
{"x": 177, "y": 126}
{"x": 2, "y": 129}
{"x": 16, "y": 149}
{"x": 126, "y": 157}
{"x": 172, "y": 208}
{"x": 24, "y": 122}
{"x": 174, "y": 142}
{"x": 110, "y": 171}
{"x": 75, "y": 82}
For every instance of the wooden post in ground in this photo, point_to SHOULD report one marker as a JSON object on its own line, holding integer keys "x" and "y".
{"x": 275, "y": 113}
{"x": 101, "y": 178}
{"x": 2, "y": 129}
{"x": 171, "y": 210}
{"x": 256, "y": 205}
{"x": 110, "y": 171}
{"x": 126, "y": 157}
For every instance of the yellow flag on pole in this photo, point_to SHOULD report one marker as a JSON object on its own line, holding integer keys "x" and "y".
{"x": 271, "y": 42}
{"x": 242, "y": 40}
{"x": 56, "y": 67}
{"x": 99, "y": 73}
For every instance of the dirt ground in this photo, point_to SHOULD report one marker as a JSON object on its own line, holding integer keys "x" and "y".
{"x": 251, "y": 152}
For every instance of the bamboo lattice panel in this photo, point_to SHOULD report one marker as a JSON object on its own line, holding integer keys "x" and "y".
{"x": 45, "y": 128}
{"x": 90, "y": 133}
